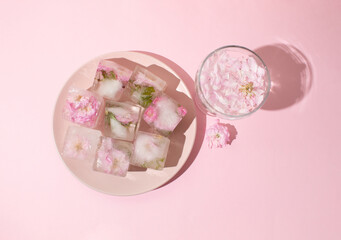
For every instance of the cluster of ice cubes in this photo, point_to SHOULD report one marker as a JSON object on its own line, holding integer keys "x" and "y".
{"x": 107, "y": 132}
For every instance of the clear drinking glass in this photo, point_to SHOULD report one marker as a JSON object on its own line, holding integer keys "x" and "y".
{"x": 207, "y": 103}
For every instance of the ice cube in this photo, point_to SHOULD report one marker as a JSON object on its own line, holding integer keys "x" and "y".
{"x": 113, "y": 156}
{"x": 110, "y": 80}
{"x": 122, "y": 120}
{"x": 150, "y": 150}
{"x": 164, "y": 114}
{"x": 83, "y": 107}
{"x": 81, "y": 143}
{"x": 145, "y": 86}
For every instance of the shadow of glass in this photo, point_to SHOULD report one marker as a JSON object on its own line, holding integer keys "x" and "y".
{"x": 290, "y": 73}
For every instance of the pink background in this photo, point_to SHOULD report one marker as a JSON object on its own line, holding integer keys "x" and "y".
{"x": 279, "y": 179}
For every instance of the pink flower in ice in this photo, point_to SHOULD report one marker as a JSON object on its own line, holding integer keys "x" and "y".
{"x": 110, "y": 159}
{"x": 124, "y": 78}
{"x": 182, "y": 111}
{"x": 106, "y": 144}
{"x": 121, "y": 162}
{"x": 76, "y": 147}
{"x": 150, "y": 114}
{"x": 157, "y": 99}
{"x": 126, "y": 118}
{"x": 141, "y": 79}
{"x": 101, "y": 67}
{"x": 217, "y": 135}
{"x": 104, "y": 159}
{"x": 82, "y": 109}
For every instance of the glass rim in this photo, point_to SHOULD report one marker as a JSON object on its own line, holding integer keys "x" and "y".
{"x": 219, "y": 112}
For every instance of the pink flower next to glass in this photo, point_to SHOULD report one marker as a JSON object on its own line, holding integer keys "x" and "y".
{"x": 121, "y": 120}
{"x": 110, "y": 80}
{"x": 232, "y": 82}
{"x": 164, "y": 114}
{"x": 145, "y": 86}
{"x": 150, "y": 151}
{"x": 81, "y": 143}
{"x": 217, "y": 135}
{"x": 113, "y": 156}
{"x": 83, "y": 107}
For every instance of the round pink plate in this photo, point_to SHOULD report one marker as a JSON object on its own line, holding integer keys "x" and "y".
{"x": 137, "y": 180}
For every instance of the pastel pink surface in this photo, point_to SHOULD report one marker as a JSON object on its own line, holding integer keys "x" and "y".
{"x": 279, "y": 179}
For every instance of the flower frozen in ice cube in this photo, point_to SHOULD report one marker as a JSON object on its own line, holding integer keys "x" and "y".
{"x": 145, "y": 86}
{"x": 82, "y": 107}
{"x": 113, "y": 156}
{"x": 110, "y": 79}
{"x": 150, "y": 150}
{"x": 80, "y": 143}
{"x": 121, "y": 120}
{"x": 164, "y": 114}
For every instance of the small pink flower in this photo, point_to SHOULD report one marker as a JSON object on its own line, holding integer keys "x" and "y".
{"x": 150, "y": 114}
{"x": 121, "y": 162}
{"x": 77, "y": 147}
{"x": 182, "y": 111}
{"x": 157, "y": 99}
{"x": 217, "y": 135}
{"x": 124, "y": 78}
{"x": 82, "y": 109}
{"x": 106, "y": 144}
{"x": 103, "y": 67}
{"x": 104, "y": 159}
{"x": 141, "y": 79}
{"x": 125, "y": 119}
{"x": 110, "y": 159}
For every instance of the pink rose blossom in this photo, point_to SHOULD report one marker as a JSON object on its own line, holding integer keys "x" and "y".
{"x": 150, "y": 114}
{"x": 182, "y": 111}
{"x": 217, "y": 135}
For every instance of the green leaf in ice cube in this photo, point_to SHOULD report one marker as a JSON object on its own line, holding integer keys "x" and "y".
{"x": 104, "y": 74}
{"x": 159, "y": 163}
{"x": 148, "y": 91}
{"x": 110, "y": 115}
{"x": 146, "y": 96}
{"x": 110, "y": 75}
{"x": 145, "y": 101}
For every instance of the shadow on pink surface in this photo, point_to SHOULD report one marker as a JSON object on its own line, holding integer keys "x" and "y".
{"x": 290, "y": 73}
{"x": 233, "y": 132}
{"x": 201, "y": 118}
